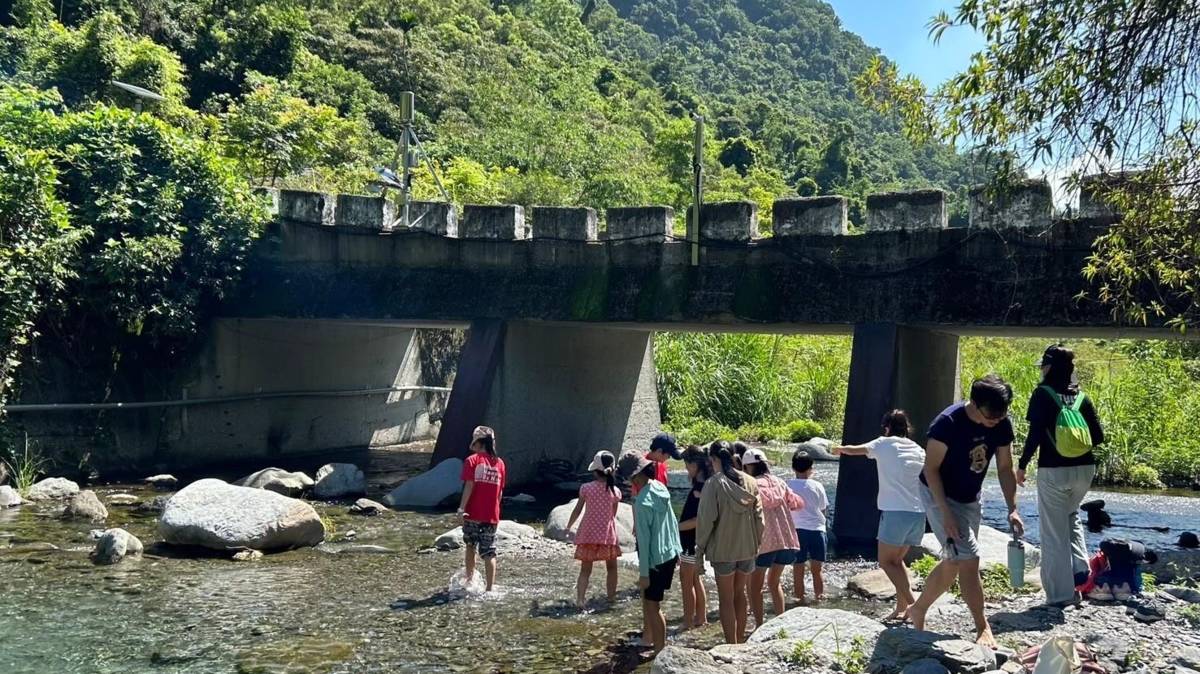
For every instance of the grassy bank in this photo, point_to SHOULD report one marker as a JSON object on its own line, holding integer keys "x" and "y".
{"x": 763, "y": 386}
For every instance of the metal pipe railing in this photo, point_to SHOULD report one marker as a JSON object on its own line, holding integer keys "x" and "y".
{"x": 151, "y": 404}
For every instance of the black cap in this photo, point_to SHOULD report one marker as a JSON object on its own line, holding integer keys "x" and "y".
{"x": 665, "y": 443}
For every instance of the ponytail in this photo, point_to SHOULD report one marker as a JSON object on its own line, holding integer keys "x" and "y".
{"x": 489, "y": 445}
{"x": 610, "y": 478}
{"x": 896, "y": 424}
{"x": 724, "y": 453}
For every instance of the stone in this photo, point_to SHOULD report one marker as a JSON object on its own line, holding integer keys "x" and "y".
{"x": 1175, "y": 565}
{"x": 115, "y": 545}
{"x": 556, "y": 524}
{"x": 1032, "y": 619}
{"x": 993, "y": 549}
{"x": 123, "y": 499}
{"x": 817, "y": 449}
{"x": 1188, "y": 594}
{"x": 506, "y": 530}
{"x": 86, "y": 506}
{"x": 365, "y": 506}
{"x": 925, "y": 666}
{"x": 430, "y": 489}
{"x": 277, "y": 480}
{"x": 247, "y": 555}
{"x": 827, "y": 629}
{"x": 899, "y": 646}
{"x": 338, "y": 480}
{"x": 213, "y": 514}
{"x": 824, "y": 215}
{"x": 1188, "y": 656}
{"x": 9, "y": 498}
{"x": 154, "y": 505}
{"x": 52, "y": 489}
{"x": 874, "y": 584}
{"x": 680, "y": 660}
{"x": 523, "y": 498}
{"x": 162, "y": 482}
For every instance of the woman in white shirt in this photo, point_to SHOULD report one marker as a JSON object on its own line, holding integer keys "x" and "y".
{"x": 899, "y": 462}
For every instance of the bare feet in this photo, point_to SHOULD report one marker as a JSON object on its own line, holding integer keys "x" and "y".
{"x": 899, "y": 614}
{"x": 916, "y": 615}
{"x": 986, "y": 638}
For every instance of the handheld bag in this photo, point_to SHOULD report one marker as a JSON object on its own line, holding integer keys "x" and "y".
{"x": 1072, "y": 437}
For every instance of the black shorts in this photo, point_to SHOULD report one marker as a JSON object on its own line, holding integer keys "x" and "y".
{"x": 482, "y": 536}
{"x": 660, "y": 580}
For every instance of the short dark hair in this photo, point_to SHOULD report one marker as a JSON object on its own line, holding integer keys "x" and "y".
{"x": 896, "y": 424}
{"x": 992, "y": 393}
{"x": 739, "y": 448}
{"x": 801, "y": 462}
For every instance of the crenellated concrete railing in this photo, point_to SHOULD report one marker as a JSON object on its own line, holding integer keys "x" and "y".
{"x": 1027, "y": 205}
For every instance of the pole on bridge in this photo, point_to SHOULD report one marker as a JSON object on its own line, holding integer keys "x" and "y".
{"x": 407, "y": 103}
{"x": 693, "y": 227}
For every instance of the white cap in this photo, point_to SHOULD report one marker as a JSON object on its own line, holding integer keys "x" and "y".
{"x": 598, "y": 463}
{"x": 754, "y": 456}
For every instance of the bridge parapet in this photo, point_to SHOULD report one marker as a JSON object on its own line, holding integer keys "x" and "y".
{"x": 1027, "y": 204}
{"x": 807, "y": 216}
{"x": 914, "y": 209}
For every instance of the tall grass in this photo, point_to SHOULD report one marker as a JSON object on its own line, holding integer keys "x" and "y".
{"x": 24, "y": 467}
{"x": 1147, "y": 392}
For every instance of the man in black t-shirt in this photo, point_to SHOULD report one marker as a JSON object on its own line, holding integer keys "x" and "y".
{"x": 962, "y": 441}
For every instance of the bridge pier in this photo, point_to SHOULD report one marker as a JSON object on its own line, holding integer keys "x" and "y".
{"x": 891, "y": 366}
{"x": 555, "y": 392}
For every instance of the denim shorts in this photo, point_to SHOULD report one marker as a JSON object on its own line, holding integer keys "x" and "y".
{"x": 901, "y": 528}
{"x": 783, "y": 557}
{"x": 966, "y": 516}
{"x": 726, "y": 568}
{"x": 812, "y": 546}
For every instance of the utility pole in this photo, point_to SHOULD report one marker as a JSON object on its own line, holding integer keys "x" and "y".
{"x": 693, "y": 233}
{"x": 407, "y": 103}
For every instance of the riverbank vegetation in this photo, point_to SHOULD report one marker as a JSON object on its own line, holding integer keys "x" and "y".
{"x": 753, "y": 386}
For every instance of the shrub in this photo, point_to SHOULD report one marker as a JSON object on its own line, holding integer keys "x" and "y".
{"x": 1144, "y": 477}
{"x": 924, "y": 566}
{"x": 804, "y": 430}
{"x": 762, "y": 432}
{"x": 700, "y": 431}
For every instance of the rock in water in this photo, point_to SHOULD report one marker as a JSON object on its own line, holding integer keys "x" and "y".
{"x": 277, "y": 480}
{"x": 680, "y": 660}
{"x": 9, "y": 498}
{"x": 899, "y": 646}
{"x": 213, "y": 514}
{"x": 431, "y": 488}
{"x": 115, "y": 545}
{"x": 52, "y": 489}
{"x": 506, "y": 530}
{"x": 124, "y": 500}
{"x": 556, "y": 524}
{"x": 162, "y": 482}
{"x": 247, "y": 556}
{"x": 86, "y": 506}
{"x": 338, "y": 480}
{"x": 875, "y": 584}
{"x": 365, "y": 506}
{"x": 817, "y": 449}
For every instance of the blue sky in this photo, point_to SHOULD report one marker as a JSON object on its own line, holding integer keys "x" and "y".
{"x": 898, "y": 29}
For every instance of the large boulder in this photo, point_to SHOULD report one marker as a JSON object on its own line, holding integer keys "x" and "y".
{"x": 277, "y": 480}
{"x": 506, "y": 530}
{"x": 899, "y": 646}
{"x": 556, "y": 524}
{"x": 86, "y": 506}
{"x": 52, "y": 489}
{"x": 817, "y": 449}
{"x": 213, "y": 514}
{"x": 430, "y": 489}
{"x": 339, "y": 480}
{"x": 680, "y": 660}
{"x": 827, "y": 628}
{"x": 9, "y": 498}
{"x": 1175, "y": 564}
{"x": 115, "y": 545}
{"x": 993, "y": 548}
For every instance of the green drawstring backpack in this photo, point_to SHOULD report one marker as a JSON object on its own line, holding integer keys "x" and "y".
{"x": 1072, "y": 437}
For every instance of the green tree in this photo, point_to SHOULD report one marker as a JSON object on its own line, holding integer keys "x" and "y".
{"x": 1089, "y": 85}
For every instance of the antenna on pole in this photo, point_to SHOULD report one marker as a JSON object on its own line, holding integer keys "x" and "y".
{"x": 405, "y": 160}
{"x": 693, "y": 229}
{"x": 139, "y": 94}
{"x": 407, "y": 102}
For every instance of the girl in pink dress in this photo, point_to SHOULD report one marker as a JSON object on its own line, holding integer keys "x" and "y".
{"x": 596, "y": 540}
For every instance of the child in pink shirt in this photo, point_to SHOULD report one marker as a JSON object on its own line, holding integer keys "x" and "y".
{"x": 596, "y": 540}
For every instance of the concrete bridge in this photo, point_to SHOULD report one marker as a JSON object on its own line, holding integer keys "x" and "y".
{"x": 561, "y": 312}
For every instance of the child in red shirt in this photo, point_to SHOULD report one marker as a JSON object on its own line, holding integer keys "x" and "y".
{"x": 483, "y": 482}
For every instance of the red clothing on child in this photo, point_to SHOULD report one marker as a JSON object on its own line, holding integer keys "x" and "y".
{"x": 660, "y": 474}
{"x": 488, "y": 474}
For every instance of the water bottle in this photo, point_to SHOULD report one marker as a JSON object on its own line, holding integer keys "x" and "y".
{"x": 1016, "y": 561}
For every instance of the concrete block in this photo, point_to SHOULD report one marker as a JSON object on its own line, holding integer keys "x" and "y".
{"x": 916, "y": 209}
{"x": 505, "y": 222}
{"x": 312, "y": 207}
{"x": 727, "y": 221}
{"x": 1028, "y": 203}
{"x": 639, "y": 224}
{"x": 810, "y": 215}
{"x": 435, "y": 217}
{"x": 561, "y": 222}
{"x": 361, "y": 211}
{"x": 271, "y": 195}
{"x": 1092, "y": 190}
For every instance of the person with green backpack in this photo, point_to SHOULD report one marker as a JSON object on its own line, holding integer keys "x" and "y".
{"x": 1064, "y": 426}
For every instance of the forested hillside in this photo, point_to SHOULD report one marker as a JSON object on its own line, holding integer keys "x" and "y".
{"x": 528, "y": 101}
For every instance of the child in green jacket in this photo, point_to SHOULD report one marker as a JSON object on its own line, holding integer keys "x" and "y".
{"x": 658, "y": 541}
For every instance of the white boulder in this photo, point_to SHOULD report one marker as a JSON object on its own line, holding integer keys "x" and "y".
{"x": 430, "y": 489}
{"x": 86, "y": 506}
{"x": 52, "y": 489}
{"x": 338, "y": 480}
{"x": 556, "y": 524}
{"x": 9, "y": 498}
{"x": 213, "y": 514}
{"x": 277, "y": 480}
{"x": 506, "y": 530}
{"x": 162, "y": 482}
{"x": 993, "y": 548}
{"x": 115, "y": 545}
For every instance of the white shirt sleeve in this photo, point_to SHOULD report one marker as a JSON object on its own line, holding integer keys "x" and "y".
{"x": 873, "y": 445}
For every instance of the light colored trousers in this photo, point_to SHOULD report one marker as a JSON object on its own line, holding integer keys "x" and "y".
{"x": 1064, "y": 549}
